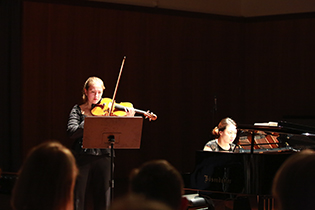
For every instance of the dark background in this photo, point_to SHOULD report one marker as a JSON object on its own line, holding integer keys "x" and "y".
{"x": 178, "y": 64}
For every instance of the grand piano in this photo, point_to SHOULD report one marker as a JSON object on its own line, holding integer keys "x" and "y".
{"x": 248, "y": 173}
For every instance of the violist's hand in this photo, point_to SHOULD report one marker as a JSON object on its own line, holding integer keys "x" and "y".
{"x": 130, "y": 112}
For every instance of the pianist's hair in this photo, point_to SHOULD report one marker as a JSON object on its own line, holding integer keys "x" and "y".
{"x": 46, "y": 179}
{"x": 294, "y": 183}
{"x": 222, "y": 125}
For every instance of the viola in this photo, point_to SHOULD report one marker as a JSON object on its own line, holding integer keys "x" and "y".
{"x": 104, "y": 106}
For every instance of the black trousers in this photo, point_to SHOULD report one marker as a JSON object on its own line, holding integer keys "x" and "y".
{"x": 92, "y": 190}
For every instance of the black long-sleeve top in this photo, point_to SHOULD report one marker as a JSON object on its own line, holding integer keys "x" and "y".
{"x": 75, "y": 131}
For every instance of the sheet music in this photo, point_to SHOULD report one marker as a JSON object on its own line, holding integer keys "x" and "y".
{"x": 274, "y": 124}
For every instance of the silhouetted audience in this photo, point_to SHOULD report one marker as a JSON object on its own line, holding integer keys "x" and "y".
{"x": 159, "y": 180}
{"x": 294, "y": 183}
{"x": 46, "y": 180}
{"x": 138, "y": 202}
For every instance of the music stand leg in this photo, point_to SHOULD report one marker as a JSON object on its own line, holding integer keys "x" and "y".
{"x": 252, "y": 143}
{"x": 111, "y": 139}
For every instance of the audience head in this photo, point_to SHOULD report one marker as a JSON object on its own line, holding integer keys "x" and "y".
{"x": 46, "y": 179}
{"x": 158, "y": 180}
{"x": 294, "y": 183}
{"x": 137, "y": 202}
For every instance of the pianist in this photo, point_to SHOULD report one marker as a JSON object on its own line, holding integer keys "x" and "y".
{"x": 225, "y": 133}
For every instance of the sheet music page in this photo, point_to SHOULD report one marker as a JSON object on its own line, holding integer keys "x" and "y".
{"x": 275, "y": 124}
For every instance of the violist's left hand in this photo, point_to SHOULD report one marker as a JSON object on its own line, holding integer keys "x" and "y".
{"x": 130, "y": 112}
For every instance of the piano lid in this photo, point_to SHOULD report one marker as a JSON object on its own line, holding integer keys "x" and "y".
{"x": 281, "y": 127}
{"x": 278, "y": 134}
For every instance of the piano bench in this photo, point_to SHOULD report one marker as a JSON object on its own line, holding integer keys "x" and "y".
{"x": 198, "y": 202}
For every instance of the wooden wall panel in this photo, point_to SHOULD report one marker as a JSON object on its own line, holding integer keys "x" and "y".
{"x": 280, "y": 65}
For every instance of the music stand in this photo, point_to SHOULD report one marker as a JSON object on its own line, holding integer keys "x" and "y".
{"x": 105, "y": 132}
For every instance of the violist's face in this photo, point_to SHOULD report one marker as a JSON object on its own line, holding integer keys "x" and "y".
{"x": 94, "y": 93}
{"x": 228, "y": 135}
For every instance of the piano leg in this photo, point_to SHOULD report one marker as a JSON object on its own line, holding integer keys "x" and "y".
{"x": 265, "y": 202}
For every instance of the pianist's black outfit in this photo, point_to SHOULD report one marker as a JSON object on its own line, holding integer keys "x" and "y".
{"x": 213, "y": 144}
{"x": 93, "y": 164}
